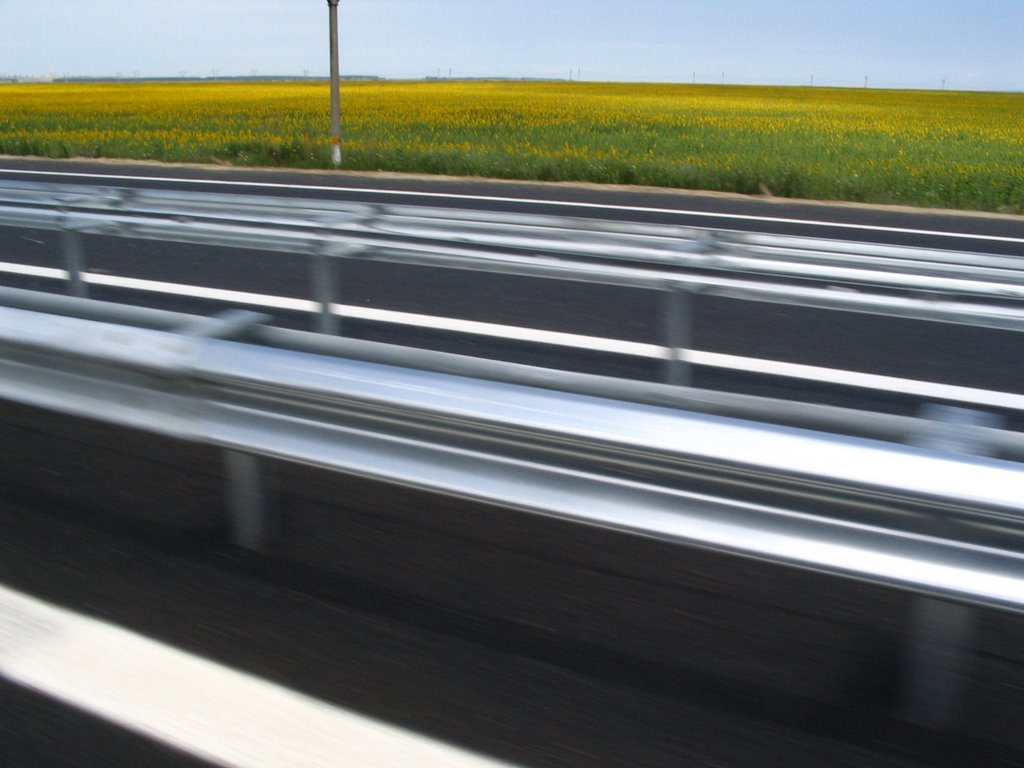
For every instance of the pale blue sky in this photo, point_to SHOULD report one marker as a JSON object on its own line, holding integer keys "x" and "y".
{"x": 973, "y": 44}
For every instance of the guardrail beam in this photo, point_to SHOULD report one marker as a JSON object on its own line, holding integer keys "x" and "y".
{"x": 913, "y": 519}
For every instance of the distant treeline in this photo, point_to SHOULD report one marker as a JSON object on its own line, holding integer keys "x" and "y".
{"x": 207, "y": 78}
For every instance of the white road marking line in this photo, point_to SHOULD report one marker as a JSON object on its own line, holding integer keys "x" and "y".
{"x": 512, "y": 332}
{"x": 201, "y": 292}
{"x": 195, "y": 705}
{"x": 432, "y": 322}
{"x": 892, "y": 384}
{"x": 927, "y": 389}
{"x": 28, "y": 270}
{"x": 529, "y": 201}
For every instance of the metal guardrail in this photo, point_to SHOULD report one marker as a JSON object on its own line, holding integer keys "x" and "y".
{"x": 913, "y": 503}
{"x": 915, "y": 518}
{"x": 652, "y": 245}
{"x": 677, "y": 263}
{"x": 249, "y": 327}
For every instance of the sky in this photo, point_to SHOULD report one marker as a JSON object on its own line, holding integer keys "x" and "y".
{"x": 963, "y": 44}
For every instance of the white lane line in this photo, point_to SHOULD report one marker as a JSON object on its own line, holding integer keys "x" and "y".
{"x": 27, "y": 270}
{"x": 432, "y": 322}
{"x": 528, "y": 201}
{"x": 739, "y": 363}
{"x": 203, "y": 708}
{"x": 512, "y": 332}
{"x": 201, "y": 292}
{"x": 926, "y": 389}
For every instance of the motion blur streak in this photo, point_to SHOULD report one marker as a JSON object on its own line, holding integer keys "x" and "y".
{"x": 202, "y": 708}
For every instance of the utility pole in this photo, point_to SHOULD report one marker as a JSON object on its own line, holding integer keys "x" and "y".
{"x": 332, "y": 6}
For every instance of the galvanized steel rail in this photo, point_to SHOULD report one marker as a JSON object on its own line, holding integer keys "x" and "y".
{"x": 250, "y": 327}
{"x": 83, "y": 209}
{"x": 928, "y": 505}
{"x": 915, "y": 518}
{"x": 677, "y": 263}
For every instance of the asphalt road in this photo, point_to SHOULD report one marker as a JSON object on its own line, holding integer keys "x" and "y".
{"x": 732, "y": 328}
{"x": 901, "y": 226}
{"x": 531, "y": 640}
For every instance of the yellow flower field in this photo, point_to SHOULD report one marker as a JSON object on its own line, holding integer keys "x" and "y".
{"x": 950, "y": 149}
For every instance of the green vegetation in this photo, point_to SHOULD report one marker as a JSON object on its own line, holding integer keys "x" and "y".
{"x": 944, "y": 149}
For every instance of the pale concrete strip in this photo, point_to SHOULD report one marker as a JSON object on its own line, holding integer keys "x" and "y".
{"x": 205, "y": 709}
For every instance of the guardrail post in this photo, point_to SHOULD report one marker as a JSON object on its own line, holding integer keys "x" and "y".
{"x": 936, "y": 655}
{"x": 251, "y": 514}
{"x": 677, "y": 318}
{"x": 324, "y": 278}
{"x": 74, "y": 261}
{"x": 936, "y": 659}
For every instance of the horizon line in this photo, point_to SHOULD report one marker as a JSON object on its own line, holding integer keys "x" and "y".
{"x": 43, "y": 79}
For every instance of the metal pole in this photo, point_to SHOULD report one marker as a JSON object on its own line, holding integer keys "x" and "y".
{"x": 250, "y": 507}
{"x": 938, "y": 650}
{"x": 335, "y": 86}
{"x": 74, "y": 261}
{"x": 677, "y": 313}
{"x": 324, "y": 279}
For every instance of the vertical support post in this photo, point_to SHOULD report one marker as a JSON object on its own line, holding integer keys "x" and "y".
{"x": 324, "y": 278}
{"x": 74, "y": 261}
{"x": 677, "y": 317}
{"x": 250, "y": 509}
{"x": 935, "y": 668}
{"x": 335, "y": 85}
{"x": 936, "y": 654}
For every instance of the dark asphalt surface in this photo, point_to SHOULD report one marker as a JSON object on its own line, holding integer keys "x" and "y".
{"x": 652, "y": 205}
{"x": 538, "y": 641}
{"x": 534, "y": 640}
{"x": 901, "y": 348}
